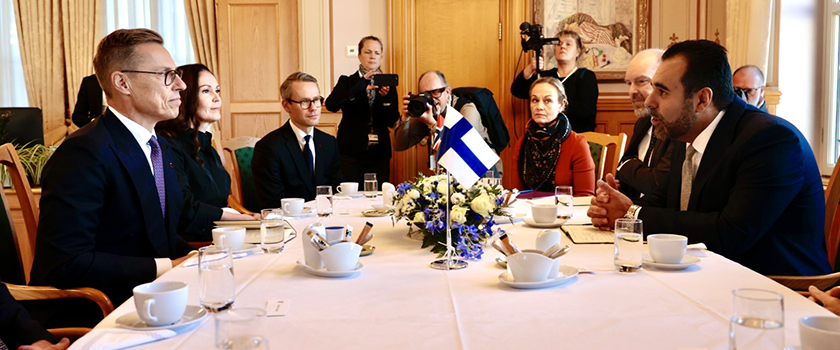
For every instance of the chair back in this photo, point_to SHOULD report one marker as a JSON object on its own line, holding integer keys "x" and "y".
{"x": 611, "y": 150}
{"x": 832, "y": 219}
{"x": 24, "y": 241}
{"x": 239, "y": 152}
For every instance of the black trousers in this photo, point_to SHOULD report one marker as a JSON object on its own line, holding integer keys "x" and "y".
{"x": 354, "y": 168}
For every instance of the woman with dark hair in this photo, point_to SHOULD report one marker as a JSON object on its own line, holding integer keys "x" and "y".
{"x": 551, "y": 154}
{"x": 204, "y": 182}
{"x": 368, "y": 111}
{"x": 580, "y": 83}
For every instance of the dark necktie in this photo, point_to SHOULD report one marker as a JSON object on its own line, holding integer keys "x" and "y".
{"x": 3, "y": 345}
{"x": 651, "y": 146}
{"x": 157, "y": 165}
{"x": 307, "y": 155}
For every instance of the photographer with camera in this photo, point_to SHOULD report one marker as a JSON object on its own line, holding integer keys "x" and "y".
{"x": 748, "y": 82}
{"x": 369, "y": 108}
{"x": 580, "y": 83}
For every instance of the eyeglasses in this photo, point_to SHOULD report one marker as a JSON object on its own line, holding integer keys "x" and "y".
{"x": 305, "y": 104}
{"x": 745, "y": 92}
{"x": 168, "y": 76}
{"x": 436, "y": 92}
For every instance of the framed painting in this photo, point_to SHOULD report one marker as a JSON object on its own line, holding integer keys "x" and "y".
{"x": 612, "y": 31}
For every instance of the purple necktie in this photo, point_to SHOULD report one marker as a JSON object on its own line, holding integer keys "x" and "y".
{"x": 160, "y": 182}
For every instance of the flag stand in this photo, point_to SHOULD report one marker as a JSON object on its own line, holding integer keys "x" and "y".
{"x": 447, "y": 262}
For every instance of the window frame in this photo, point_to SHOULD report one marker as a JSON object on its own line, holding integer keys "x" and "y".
{"x": 829, "y": 111}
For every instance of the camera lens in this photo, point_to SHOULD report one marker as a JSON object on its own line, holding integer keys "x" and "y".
{"x": 417, "y": 104}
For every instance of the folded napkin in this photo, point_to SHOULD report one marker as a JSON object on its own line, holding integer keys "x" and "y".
{"x": 231, "y": 210}
{"x": 116, "y": 338}
{"x": 192, "y": 261}
{"x": 696, "y": 249}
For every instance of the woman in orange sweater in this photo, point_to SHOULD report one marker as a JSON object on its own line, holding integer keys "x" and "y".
{"x": 550, "y": 153}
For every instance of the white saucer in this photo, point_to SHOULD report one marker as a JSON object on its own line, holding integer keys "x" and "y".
{"x": 499, "y": 219}
{"x": 687, "y": 261}
{"x": 306, "y": 212}
{"x": 342, "y": 196}
{"x": 192, "y": 314}
{"x": 567, "y": 273}
{"x": 556, "y": 223}
{"x": 247, "y": 249}
{"x": 383, "y": 207}
{"x": 325, "y": 273}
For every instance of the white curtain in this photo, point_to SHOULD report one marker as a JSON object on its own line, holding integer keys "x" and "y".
{"x": 748, "y": 32}
{"x": 12, "y": 83}
{"x": 167, "y": 17}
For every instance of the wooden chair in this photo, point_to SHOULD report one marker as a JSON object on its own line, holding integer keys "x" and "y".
{"x": 832, "y": 243}
{"x": 25, "y": 244}
{"x": 242, "y": 192}
{"x": 607, "y": 162}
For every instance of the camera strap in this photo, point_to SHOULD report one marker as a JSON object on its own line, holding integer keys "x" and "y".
{"x": 563, "y": 81}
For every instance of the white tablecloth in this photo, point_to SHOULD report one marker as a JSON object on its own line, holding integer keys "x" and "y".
{"x": 398, "y": 302}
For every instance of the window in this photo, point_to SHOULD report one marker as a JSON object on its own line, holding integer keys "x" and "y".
{"x": 12, "y": 84}
{"x": 169, "y": 18}
{"x": 832, "y": 83}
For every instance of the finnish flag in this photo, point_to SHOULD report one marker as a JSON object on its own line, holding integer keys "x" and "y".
{"x": 463, "y": 152}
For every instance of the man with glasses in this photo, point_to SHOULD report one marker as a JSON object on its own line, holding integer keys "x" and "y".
{"x": 111, "y": 199}
{"x": 749, "y": 85}
{"x": 291, "y": 161}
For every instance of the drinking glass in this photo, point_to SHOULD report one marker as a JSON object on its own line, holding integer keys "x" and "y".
{"x": 272, "y": 230}
{"x": 323, "y": 200}
{"x": 240, "y": 329}
{"x": 757, "y": 320}
{"x": 564, "y": 201}
{"x": 491, "y": 178}
{"x": 215, "y": 272}
{"x": 628, "y": 245}
{"x": 370, "y": 185}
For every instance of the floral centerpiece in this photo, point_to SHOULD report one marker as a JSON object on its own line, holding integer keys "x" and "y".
{"x": 422, "y": 203}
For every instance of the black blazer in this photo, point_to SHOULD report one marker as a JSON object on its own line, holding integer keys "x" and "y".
{"x": 279, "y": 169}
{"x": 101, "y": 224}
{"x": 88, "y": 102}
{"x": 757, "y": 197}
{"x": 637, "y": 177}
{"x": 350, "y": 96}
{"x": 17, "y": 328}
{"x": 205, "y": 185}
{"x": 581, "y": 91}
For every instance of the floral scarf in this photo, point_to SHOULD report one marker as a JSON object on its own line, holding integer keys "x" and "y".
{"x": 540, "y": 151}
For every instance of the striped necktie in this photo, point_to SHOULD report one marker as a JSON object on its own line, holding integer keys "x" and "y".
{"x": 160, "y": 182}
{"x": 689, "y": 170}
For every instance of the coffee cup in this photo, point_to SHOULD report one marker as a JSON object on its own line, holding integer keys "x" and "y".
{"x": 348, "y": 189}
{"x": 337, "y": 233}
{"x": 231, "y": 236}
{"x": 547, "y": 238}
{"x": 819, "y": 332}
{"x": 292, "y": 206}
{"x": 530, "y": 265}
{"x": 341, "y": 257}
{"x": 667, "y": 248}
{"x": 544, "y": 213}
{"x": 388, "y": 190}
{"x": 311, "y": 255}
{"x": 161, "y": 303}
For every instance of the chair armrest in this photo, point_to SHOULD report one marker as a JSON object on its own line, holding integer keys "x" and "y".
{"x": 47, "y": 293}
{"x": 233, "y": 203}
{"x": 801, "y": 283}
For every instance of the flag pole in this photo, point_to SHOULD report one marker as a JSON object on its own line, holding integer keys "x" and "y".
{"x": 447, "y": 262}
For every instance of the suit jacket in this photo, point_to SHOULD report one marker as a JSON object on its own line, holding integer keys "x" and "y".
{"x": 17, "y": 328}
{"x": 88, "y": 102}
{"x": 350, "y": 96}
{"x": 757, "y": 196}
{"x": 101, "y": 223}
{"x": 280, "y": 171}
{"x": 637, "y": 177}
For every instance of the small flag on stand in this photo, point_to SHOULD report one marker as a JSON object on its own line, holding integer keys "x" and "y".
{"x": 463, "y": 152}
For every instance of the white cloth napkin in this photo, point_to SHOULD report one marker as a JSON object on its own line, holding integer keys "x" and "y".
{"x": 231, "y": 210}
{"x": 116, "y": 338}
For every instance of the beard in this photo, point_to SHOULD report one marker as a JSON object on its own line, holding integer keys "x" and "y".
{"x": 677, "y": 127}
{"x": 641, "y": 112}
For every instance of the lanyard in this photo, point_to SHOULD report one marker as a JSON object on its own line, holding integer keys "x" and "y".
{"x": 567, "y": 76}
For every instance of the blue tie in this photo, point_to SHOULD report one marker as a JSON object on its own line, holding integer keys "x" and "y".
{"x": 307, "y": 155}
{"x": 160, "y": 182}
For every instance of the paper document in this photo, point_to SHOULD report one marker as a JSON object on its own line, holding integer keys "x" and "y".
{"x": 585, "y": 234}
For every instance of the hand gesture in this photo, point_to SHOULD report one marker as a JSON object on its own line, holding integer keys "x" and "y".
{"x": 829, "y": 299}
{"x": 531, "y": 68}
{"x": 608, "y": 204}
{"x": 45, "y": 345}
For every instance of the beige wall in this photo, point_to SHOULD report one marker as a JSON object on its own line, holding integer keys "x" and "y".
{"x": 351, "y": 21}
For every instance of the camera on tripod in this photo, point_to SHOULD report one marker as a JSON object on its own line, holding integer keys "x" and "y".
{"x": 417, "y": 103}
{"x": 535, "y": 40}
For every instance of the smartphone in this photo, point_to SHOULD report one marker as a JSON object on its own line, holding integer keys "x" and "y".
{"x": 385, "y": 80}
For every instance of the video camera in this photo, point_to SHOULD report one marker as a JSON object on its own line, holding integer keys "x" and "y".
{"x": 535, "y": 40}
{"x": 417, "y": 103}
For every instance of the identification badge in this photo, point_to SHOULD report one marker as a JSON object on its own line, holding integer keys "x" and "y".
{"x": 373, "y": 139}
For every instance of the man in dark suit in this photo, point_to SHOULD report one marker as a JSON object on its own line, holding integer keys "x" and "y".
{"x": 17, "y": 328}
{"x": 647, "y": 158}
{"x": 88, "y": 102}
{"x": 746, "y": 183}
{"x": 291, "y": 161}
{"x": 111, "y": 199}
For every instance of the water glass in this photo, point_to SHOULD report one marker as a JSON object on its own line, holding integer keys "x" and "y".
{"x": 491, "y": 178}
{"x": 240, "y": 329}
{"x": 272, "y": 231}
{"x": 757, "y": 320}
{"x": 564, "y": 201}
{"x": 628, "y": 245}
{"x": 215, "y": 272}
{"x": 371, "y": 185}
{"x": 323, "y": 200}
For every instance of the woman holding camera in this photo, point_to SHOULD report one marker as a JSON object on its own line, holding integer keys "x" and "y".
{"x": 368, "y": 111}
{"x": 551, "y": 153}
{"x": 205, "y": 183}
{"x": 580, "y": 83}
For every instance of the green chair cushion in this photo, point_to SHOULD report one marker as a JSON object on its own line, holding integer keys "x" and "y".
{"x": 249, "y": 190}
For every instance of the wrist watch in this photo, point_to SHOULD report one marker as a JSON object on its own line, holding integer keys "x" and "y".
{"x": 633, "y": 212}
